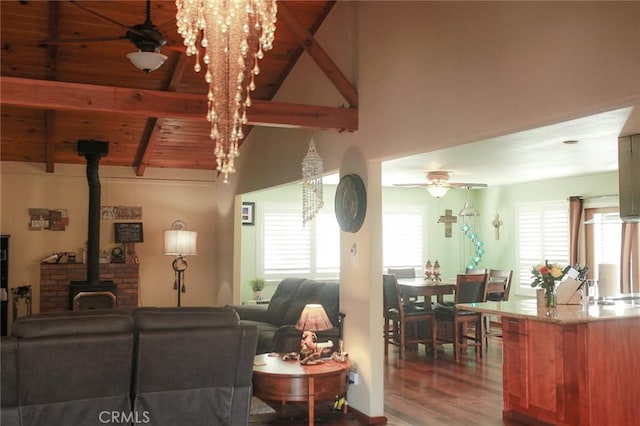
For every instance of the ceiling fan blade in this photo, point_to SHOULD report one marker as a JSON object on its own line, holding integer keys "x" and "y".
{"x": 465, "y": 185}
{"x": 167, "y": 25}
{"x": 101, "y": 16}
{"x": 180, "y": 49}
{"x": 412, "y": 185}
{"x": 82, "y": 40}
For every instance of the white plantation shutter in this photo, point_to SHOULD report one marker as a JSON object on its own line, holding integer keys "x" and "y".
{"x": 286, "y": 243}
{"x": 327, "y": 245}
{"x": 290, "y": 249}
{"x": 542, "y": 234}
{"x": 402, "y": 234}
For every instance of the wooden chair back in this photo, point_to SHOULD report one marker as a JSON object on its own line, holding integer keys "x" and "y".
{"x": 402, "y": 272}
{"x": 391, "y": 298}
{"x": 499, "y": 276}
{"x": 470, "y": 288}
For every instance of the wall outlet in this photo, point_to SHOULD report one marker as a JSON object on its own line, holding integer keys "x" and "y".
{"x": 353, "y": 377}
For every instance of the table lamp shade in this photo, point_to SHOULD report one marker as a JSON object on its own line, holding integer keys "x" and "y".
{"x": 179, "y": 242}
{"x": 314, "y": 318}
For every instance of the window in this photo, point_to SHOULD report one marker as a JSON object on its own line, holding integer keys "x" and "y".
{"x": 290, "y": 249}
{"x": 542, "y": 234}
{"x": 403, "y": 236}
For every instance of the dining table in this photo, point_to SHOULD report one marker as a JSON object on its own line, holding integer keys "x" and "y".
{"x": 419, "y": 286}
{"x": 414, "y": 287}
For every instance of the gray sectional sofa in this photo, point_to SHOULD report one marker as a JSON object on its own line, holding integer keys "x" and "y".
{"x": 276, "y": 321}
{"x": 160, "y": 366}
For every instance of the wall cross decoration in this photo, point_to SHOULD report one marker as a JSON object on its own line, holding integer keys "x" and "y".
{"x": 447, "y": 219}
{"x": 497, "y": 223}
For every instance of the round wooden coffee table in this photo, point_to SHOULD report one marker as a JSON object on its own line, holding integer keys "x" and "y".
{"x": 278, "y": 380}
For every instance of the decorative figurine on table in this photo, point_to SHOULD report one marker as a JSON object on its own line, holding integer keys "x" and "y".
{"x": 310, "y": 349}
{"x": 436, "y": 271}
{"x": 308, "y": 343}
{"x": 308, "y": 354}
{"x": 428, "y": 270}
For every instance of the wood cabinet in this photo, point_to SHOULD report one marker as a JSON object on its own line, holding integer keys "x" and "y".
{"x": 571, "y": 373}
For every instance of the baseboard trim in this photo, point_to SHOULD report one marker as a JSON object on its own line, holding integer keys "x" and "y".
{"x": 381, "y": 420}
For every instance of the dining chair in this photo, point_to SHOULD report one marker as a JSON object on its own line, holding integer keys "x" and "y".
{"x": 475, "y": 271}
{"x": 402, "y": 319}
{"x": 406, "y": 273}
{"x": 390, "y": 311}
{"x": 498, "y": 287}
{"x": 402, "y": 272}
{"x": 470, "y": 288}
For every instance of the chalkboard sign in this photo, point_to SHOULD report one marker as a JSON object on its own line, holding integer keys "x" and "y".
{"x": 128, "y": 232}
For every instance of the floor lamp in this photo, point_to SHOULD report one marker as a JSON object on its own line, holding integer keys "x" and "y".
{"x": 179, "y": 242}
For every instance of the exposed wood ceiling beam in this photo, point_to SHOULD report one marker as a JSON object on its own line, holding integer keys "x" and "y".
{"x": 153, "y": 130}
{"x": 317, "y": 53}
{"x": 52, "y": 61}
{"x": 56, "y": 95}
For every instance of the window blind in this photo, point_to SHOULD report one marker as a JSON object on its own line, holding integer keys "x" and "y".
{"x": 542, "y": 234}
{"x": 291, "y": 249}
{"x": 403, "y": 234}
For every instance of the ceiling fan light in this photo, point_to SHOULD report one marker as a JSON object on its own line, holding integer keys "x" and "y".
{"x": 437, "y": 191}
{"x": 147, "y": 61}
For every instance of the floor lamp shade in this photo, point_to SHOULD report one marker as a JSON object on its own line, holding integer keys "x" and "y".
{"x": 179, "y": 242}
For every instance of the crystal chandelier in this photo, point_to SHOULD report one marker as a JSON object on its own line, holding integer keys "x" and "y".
{"x": 230, "y": 35}
{"x": 312, "y": 169}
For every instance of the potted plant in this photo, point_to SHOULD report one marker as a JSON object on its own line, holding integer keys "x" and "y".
{"x": 257, "y": 285}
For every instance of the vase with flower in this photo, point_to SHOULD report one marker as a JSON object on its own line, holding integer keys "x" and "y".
{"x": 545, "y": 277}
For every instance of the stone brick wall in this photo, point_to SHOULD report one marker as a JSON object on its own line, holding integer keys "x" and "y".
{"x": 55, "y": 279}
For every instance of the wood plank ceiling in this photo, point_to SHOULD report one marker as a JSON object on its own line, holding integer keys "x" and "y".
{"x": 54, "y": 94}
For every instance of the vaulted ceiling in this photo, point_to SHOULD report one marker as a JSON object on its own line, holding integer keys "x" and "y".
{"x": 65, "y": 77}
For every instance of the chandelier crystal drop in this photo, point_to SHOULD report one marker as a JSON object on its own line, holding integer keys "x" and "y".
{"x": 312, "y": 198}
{"x": 229, "y": 36}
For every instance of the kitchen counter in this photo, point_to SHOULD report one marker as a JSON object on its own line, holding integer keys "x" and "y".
{"x": 572, "y": 365}
{"x": 565, "y": 314}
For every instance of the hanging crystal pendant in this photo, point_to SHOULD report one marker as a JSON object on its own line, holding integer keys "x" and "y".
{"x": 312, "y": 169}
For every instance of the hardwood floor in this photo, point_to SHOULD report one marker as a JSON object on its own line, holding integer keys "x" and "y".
{"x": 422, "y": 391}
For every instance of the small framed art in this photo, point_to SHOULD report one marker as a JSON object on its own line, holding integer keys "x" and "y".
{"x": 248, "y": 213}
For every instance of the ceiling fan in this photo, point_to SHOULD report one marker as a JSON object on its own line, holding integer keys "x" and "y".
{"x": 145, "y": 36}
{"x": 438, "y": 184}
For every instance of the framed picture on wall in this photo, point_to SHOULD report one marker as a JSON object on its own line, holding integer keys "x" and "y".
{"x": 248, "y": 213}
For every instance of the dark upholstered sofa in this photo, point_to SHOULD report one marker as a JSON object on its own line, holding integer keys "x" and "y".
{"x": 157, "y": 366}
{"x": 276, "y": 320}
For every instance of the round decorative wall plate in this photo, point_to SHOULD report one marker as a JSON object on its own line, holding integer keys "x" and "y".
{"x": 351, "y": 203}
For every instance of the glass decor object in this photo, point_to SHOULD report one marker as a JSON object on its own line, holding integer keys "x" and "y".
{"x": 229, "y": 37}
{"x": 312, "y": 198}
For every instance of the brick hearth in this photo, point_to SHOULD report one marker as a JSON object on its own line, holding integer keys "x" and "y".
{"x": 55, "y": 279}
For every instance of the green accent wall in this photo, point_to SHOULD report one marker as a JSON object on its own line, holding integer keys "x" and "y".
{"x": 500, "y": 253}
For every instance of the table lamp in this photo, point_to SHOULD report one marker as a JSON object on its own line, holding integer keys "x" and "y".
{"x": 313, "y": 318}
{"x": 180, "y": 243}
